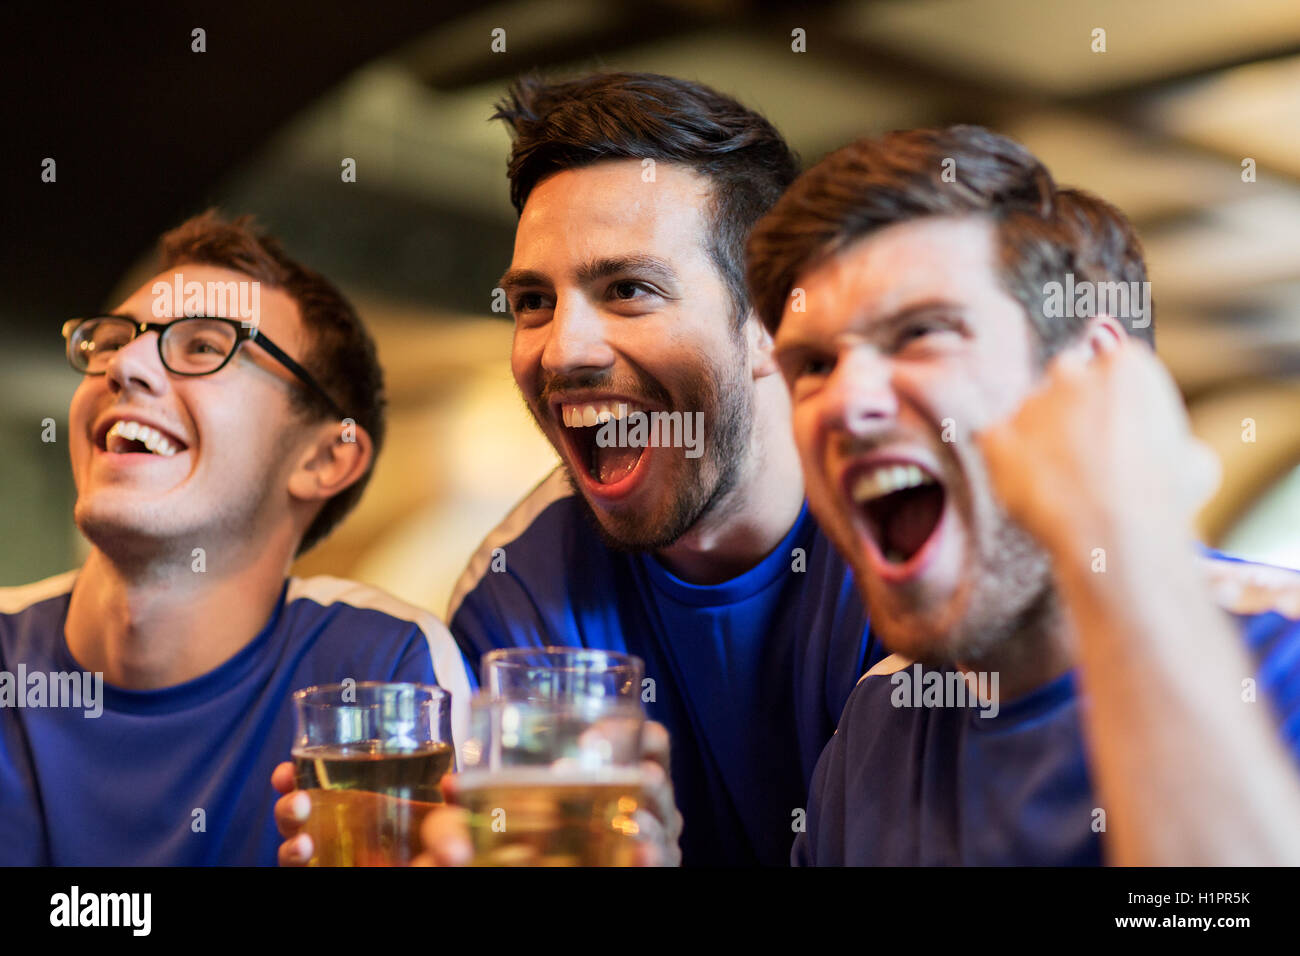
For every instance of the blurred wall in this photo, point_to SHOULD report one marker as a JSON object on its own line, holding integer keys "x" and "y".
{"x": 1162, "y": 123}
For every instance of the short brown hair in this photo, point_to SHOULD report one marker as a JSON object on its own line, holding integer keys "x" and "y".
{"x": 1043, "y": 232}
{"x": 566, "y": 125}
{"x": 341, "y": 354}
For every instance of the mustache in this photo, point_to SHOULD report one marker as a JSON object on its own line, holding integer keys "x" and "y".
{"x": 641, "y": 389}
{"x": 849, "y": 446}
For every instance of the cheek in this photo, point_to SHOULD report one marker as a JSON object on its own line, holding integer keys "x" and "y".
{"x": 804, "y": 421}
{"x": 1002, "y": 378}
{"x": 81, "y": 412}
{"x": 968, "y": 396}
{"x": 82, "y": 404}
{"x": 525, "y": 353}
{"x": 815, "y": 455}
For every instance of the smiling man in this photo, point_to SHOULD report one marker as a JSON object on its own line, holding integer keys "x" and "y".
{"x": 635, "y": 195}
{"x": 207, "y": 451}
{"x": 1004, "y": 477}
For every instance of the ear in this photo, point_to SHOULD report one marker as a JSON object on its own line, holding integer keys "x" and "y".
{"x": 338, "y": 456}
{"x": 759, "y": 342}
{"x": 1102, "y": 334}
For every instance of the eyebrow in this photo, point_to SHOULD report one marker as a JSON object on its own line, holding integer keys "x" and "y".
{"x": 602, "y": 268}
{"x": 883, "y": 328}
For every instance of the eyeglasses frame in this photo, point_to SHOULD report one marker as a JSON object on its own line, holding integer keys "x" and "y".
{"x": 243, "y": 333}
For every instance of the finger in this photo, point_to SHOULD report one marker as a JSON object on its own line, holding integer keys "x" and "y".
{"x": 283, "y": 777}
{"x": 291, "y": 812}
{"x": 656, "y": 844}
{"x": 445, "y": 833}
{"x": 296, "y": 852}
{"x": 659, "y": 800}
{"x": 650, "y": 841}
{"x": 655, "y": 744}
{"x": 995, "y": 441}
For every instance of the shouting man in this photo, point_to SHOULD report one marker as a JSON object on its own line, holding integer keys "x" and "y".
{"x": 916, "y": 288}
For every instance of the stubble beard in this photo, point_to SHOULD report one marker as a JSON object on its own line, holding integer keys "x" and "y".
{"x": 704, "y": 486}
{"x": 1001, "y": 611}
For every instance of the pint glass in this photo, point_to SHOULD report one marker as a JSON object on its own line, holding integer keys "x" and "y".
{"x": 372, "y": 756}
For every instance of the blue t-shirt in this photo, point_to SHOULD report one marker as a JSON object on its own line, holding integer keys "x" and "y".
{"x": 122, "y": 787}
{"x": 903, "y": 783}
{"x": 749, "y": 676}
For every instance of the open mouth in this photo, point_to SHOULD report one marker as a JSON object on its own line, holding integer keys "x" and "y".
{"x": 127, "y": 437}
{"x": 606, "y": 462}
{"x": 902, "y": 505}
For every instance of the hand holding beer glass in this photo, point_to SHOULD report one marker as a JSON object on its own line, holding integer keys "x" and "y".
{"x": 372, "y": 757}
{"x": 552, "y": 764}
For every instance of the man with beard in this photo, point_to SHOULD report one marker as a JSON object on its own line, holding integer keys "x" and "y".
{"x": 635, "y": 195}
{"x": 909, "y": 284}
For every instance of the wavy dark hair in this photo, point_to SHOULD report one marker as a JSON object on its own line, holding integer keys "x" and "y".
{"x": 566, "y": 125}
{"x": 1043, "y": 231}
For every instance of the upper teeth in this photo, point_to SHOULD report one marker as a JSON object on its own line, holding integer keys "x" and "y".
{"x": 886, "y": 479}
{"x": 151, "y": 438}
{"x": 594, "y": 413}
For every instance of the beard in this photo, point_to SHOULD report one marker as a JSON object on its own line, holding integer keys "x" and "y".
{"x": 1009, "y": 605}
{"x": 703, "y": 486}
{"x": 1002, "y": 608}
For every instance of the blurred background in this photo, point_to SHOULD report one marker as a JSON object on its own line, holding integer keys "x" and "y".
{"x": 1190, "y": 102}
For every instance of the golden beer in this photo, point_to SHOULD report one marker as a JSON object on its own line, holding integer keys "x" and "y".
{"x": 367, "y": 801}
{"x": 540, "y": 816}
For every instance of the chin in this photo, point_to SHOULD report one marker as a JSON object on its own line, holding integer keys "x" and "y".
{"x": 126, "y": 528}
{"x": 934, "y": 634}
{"x": 633, "y": 531}
{"x": 648, "y": 525}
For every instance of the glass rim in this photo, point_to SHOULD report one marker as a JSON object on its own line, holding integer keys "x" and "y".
{"x": 301, "y": 695}
{"x": 484, "y": 700}
{"x": 514, "y": 657}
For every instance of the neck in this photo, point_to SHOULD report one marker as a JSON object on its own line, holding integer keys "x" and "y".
{"x": 146, "y": 626}
{"x": 1037, "y": 651}
{"x": 741, "y": 529}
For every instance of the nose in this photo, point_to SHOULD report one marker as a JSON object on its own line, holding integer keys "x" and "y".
{"x": 859, "y": 398}
{"x": 577, "y": 339}
{"x": 137, "y": 366}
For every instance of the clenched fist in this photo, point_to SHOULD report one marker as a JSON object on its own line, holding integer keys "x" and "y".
{"x": 1100, "y": 455}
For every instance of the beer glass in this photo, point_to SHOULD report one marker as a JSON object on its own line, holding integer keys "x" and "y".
{"x": 372, "y": 755}
{"x": 552, "y": 774}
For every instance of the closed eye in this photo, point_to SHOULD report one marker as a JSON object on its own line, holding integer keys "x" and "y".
{"x": 799, "y": 364}
{"x": 922, "y": 329}
{"x": 815, "y": 365}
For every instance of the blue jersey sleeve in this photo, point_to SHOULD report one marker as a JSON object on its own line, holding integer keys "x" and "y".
{"x": 416, "y": 663}
{"x": 21, "y": 826}
{"x": 498, "y": 612}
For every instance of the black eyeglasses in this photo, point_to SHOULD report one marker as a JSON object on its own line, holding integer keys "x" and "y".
{"x": 197, "y": 345}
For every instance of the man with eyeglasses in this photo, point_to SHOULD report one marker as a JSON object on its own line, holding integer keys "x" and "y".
{"x": 147, "y": 693}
